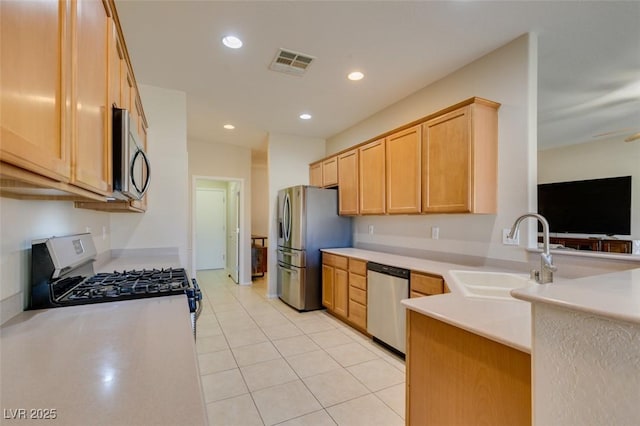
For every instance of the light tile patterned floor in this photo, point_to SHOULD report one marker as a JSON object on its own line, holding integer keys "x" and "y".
{"x": 264, "y": 363}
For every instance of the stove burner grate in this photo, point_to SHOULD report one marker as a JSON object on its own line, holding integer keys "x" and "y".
{"x": 129, "y": 285}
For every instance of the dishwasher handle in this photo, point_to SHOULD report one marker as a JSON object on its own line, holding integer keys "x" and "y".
{"x": 388, "y": 270}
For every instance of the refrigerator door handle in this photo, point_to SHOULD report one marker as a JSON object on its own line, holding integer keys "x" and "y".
{"x": 286, "y": 215}
{"x": 289, "y": 253}
{"x": 291, "y": 271}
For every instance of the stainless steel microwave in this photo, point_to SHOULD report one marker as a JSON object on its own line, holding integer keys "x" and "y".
{"x": 131, "y": 170}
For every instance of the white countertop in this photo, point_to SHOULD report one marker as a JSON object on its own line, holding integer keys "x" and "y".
{"x": 504, "y": 321}
{"x": 129, "y": 362}
{"x": 614, "y": 295}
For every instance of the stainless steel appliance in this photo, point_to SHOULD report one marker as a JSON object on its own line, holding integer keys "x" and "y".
{"x": 62, "y": 274}
{"x": 131, "y": 169}
{"x": 308, "y": 221}
{"x": 386, "y": 317}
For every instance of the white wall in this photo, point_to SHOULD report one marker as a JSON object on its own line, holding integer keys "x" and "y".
{"x": 165, "y": 224}
{"x": 24, "y": 221}
{"x": 205, "y": 183}
{"x": 227, "y": 162}
{"x": 599, "y": 159}
{"x": 507, "y": 75}
{"x": 259, "y": 198}
{"x": 288, "y": 163}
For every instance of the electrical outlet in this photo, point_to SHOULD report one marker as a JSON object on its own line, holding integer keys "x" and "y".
{"x": 371, "y": 229}
{"x": 510, "y": 241}
{"x": 104, "y": 232}
{"x": 435, "y": 232}
{"x": 87, "y": 230}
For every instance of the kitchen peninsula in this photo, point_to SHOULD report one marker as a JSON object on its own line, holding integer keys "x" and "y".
{"x": 490, "y": 329}
{"x": 596, "y": 314}
{"x": 586, "y": 349}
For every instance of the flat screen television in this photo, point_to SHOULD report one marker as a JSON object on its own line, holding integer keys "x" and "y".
{"x": 596, "y": 206}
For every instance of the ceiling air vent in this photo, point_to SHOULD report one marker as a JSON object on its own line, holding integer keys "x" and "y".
{"x": 290, "y": 62}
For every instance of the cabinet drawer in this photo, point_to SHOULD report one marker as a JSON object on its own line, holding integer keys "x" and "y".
{"x": 427, "y": 284}
{"x": 358, "y": 295}
{"x": 413, "y": 294}
{"x": 358, "y": 281}
{"x": 334, "y": 260}
{"x": 358, "y": 266}
{"x": 358, "y": 314}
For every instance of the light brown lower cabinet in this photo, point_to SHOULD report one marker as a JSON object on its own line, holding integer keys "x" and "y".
{"x": 327, "y": 285}
{"x": 341, "y": 292}
{"x": 358, "y": 294}
{"x": 426, "y": 284}
{"x": 335, "y": 284}
{"x": 344, "y": 289}
{"x": 455, "y": 377}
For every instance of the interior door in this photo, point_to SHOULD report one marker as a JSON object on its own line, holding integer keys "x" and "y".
{"x": 233, "y": 234}
{"x": 210, "y": 228}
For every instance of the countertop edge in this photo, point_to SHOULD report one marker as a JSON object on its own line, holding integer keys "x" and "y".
{"x": 585, "y": 295}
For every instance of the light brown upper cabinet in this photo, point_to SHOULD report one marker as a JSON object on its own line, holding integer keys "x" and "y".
{"x": 35, "y": 86}
{"x": 324, "y": 173}
{"x": 459, "y": 151}
{"x": 315, "y": 174}
{"x": 372, "y": 177}
{"x": 62, "y": 68}
{"x": 348, "y": 182}
{"x": 330, "y": 172}
{"x": 403, "y": 161}
{"x": 442, "y": 163}
{"x": 91, "y": 140}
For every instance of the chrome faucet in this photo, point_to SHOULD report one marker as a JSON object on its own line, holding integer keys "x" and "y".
{"x": 547, "y": 268}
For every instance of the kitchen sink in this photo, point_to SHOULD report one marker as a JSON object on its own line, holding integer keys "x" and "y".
{"x": 493, "y": 285}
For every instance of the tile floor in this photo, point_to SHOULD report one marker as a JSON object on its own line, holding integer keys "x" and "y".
{"x": 264, "y": 363}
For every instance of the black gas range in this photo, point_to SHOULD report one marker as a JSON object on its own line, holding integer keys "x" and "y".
{"x": 62, "y": 274}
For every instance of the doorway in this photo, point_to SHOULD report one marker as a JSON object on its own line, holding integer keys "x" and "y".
{"x": 216, "y": 226}
{"x": 211, "y": 228}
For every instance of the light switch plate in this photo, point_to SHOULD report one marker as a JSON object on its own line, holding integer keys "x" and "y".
{"x": 510, "y": 241}
{"x": 371, "y": 229}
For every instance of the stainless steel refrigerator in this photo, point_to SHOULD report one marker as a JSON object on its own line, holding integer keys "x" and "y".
{"x": 308, "y": 221}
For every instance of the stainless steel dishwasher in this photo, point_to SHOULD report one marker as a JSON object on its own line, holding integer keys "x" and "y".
{"x": 386, "y": 318}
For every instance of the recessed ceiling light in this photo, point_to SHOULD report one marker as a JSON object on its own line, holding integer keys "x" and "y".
{"x": 305, "y": 116}
{"x": 229, "y": 126}
{"x": 232, "y": 42}
{"x": 355, "y": 76}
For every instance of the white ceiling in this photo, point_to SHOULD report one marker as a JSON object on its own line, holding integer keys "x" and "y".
{"x": 589, "y": 60}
